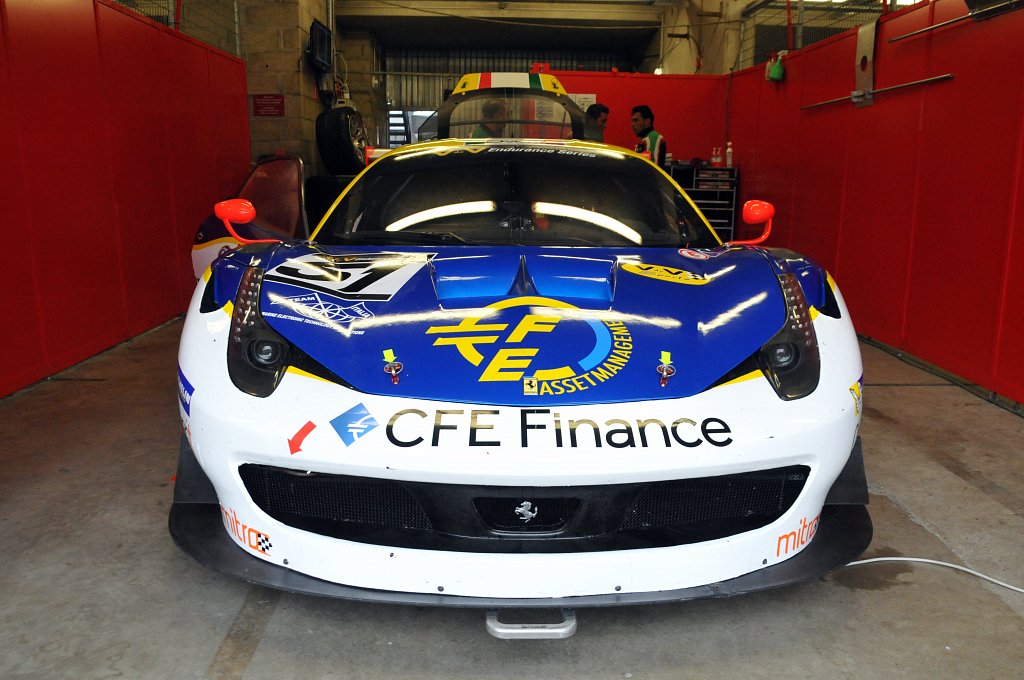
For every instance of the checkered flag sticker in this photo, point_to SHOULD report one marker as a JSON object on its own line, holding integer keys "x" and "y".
{"x": 263, "y": 541}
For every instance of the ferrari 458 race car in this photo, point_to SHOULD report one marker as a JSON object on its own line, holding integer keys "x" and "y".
{"x": 518, "y": 373}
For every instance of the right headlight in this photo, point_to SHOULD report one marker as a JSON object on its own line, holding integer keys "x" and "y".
{"x": 257, "y": 355}
{"x": 790, "y": 360}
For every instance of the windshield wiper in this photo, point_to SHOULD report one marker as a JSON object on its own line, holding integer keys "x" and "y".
{"x": 411, "y": 237}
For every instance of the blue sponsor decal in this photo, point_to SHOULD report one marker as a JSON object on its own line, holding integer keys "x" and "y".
{"x": 353, "y": 424}
{"x": 185, "y": 391}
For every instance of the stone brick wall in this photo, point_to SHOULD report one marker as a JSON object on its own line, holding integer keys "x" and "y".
{"x": 273, "y": 36}
{"x": 361, "y": 60}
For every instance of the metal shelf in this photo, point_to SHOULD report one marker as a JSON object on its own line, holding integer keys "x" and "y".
{"x": 714, "y": 191}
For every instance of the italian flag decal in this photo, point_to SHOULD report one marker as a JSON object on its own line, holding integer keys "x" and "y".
{"x": 522, "y": 81}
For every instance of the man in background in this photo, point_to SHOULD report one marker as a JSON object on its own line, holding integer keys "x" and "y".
{"x": 651, "y": 141}
{"x": 495, "y": 118}
{"x": 595, "y": 122}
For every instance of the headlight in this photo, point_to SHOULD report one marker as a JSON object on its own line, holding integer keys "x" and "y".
{"x": 790, "y": 359}
{"x": 257, "y": 355}
{"x": 266, "y": 352}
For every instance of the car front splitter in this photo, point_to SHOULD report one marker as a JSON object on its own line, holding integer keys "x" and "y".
{"x": 844, "y": 532}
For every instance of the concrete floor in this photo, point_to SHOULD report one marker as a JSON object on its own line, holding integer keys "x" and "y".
{"x": 91, "y": 585}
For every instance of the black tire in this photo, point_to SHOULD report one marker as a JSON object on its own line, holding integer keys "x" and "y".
{"x": 341, "y": 140}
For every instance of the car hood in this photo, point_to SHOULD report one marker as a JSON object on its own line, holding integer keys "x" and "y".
{"x": 524, "y": 325}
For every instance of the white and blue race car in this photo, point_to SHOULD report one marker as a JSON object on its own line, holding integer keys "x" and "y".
{"x": 517, "y": 372}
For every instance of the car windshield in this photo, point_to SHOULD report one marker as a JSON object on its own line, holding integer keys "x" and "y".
{"x": 503, "y": 113}
{"x": 516, "y": 194}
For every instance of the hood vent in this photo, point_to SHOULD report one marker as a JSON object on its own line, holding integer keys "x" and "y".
{"x": 498, "y": 275}
{"x": 523, "y": 284}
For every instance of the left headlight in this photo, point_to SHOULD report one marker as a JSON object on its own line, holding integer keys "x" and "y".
{"x": 257, "y": 355}
{"x": 790, "y": 360}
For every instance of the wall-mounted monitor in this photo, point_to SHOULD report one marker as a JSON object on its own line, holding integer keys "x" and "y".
{"x": 319, "y": 50}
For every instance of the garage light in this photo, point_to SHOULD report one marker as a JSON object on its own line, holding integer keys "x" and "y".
{"x": 467, "y": 208}
{"x": 595, "y": 218}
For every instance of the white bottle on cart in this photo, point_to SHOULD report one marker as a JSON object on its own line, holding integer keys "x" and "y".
{"x": 728, "y": 154}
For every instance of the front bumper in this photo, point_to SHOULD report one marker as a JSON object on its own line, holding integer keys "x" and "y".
{"x": 197, "y": 527}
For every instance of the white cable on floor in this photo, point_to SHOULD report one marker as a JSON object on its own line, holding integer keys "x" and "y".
{"x": 941, "y": 564}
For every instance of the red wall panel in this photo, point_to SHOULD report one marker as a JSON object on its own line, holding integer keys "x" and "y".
{"x": 882, "y": 183}
{"x": 905, "y": 60}
{"x": 916, "y": 202}
{"x": 770, "y": 177}
{"x": 964, "y": 197}
{"x": 114, "y": 164}
{"x": 744, "y": 94}
{"x": 190, "y": 138}
{"x": 74, "y": 239}
{"x": 228, "y": 113}
{"x": 22, "y": 332}
{"x": 1008, "y": 367}
{"x": 878, "y": 213}
{"x": 139, "y": 170}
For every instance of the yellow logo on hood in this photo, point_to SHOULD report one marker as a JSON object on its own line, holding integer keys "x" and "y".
{"x": 671, "y": 274}
{"x": 512, "y": 349}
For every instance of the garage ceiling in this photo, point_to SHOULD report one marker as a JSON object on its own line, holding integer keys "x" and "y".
{"x": 624, "y": 28}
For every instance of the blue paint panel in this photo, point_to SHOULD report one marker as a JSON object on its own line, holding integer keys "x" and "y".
{"x": 229, "y": 275}
{"x": 510, "y": 271}
{"x": 475, "y": 276}
{"x": 229, "y": 268}
{"x": 210, "y": 229}
{"x": 812, "y": 280}
{"x": 491, "y": 324}
{"x": 571, "y": 276}
{"x": 809, "y": 273}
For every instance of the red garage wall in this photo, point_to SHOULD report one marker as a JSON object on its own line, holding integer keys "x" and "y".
{"x": 119, "y": 134}
{"x": 916, "y": 203}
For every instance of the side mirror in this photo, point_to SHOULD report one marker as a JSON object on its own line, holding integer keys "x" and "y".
{"x": 240, "y": 211}
{"x": 756, "y": 212}
{"x": 236, "y": 210}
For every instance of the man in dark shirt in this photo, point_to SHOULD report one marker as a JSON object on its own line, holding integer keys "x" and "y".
{"x": 651, "y": 141}
{"x": 597, "y": 119}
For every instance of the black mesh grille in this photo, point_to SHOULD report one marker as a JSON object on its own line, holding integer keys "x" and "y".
{"x": 494, "y": 519}
{"x": 315, "y": 501}
{"x": 691, "y": 502}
